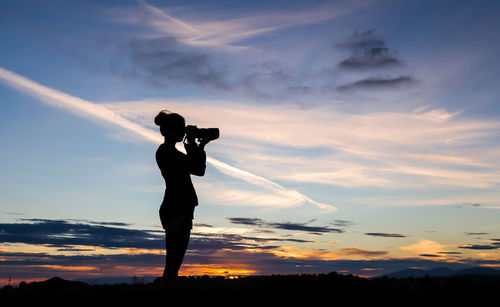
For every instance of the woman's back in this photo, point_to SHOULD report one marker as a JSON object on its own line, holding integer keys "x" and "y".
{"x": 176, "y": 168}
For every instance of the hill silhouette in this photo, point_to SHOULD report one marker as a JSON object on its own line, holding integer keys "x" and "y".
{"x": 264, "y": 289}
{"x": 442, "y": 272}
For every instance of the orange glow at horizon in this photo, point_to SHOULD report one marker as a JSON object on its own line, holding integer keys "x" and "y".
{"x": 216, "y": 269}
{"x": 66, "y": 268}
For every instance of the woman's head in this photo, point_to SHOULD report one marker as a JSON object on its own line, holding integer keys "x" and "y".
{"x": 172, "y": 125}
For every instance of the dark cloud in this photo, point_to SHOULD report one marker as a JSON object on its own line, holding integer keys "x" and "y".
{"x": 208, "y": 243}
{"x": 342, "y": 223}
{"x": 64, "y": 233}
{"x": 477, "y": 205}
{"x": 429, "y": 255}
{"x": 480, "y": 247}
{"x": 370, "y": 59}
{"x": 353, "y": 251}
{"x": 285, "y": 225}
{"x": 476, "y": 233}
{"x": 203, "y": 225}
{"x": 369, "y": 51}
{"x": 386, "y": 235}
{"x": 70, "y": 249}
{"x": 71, "y": 236}
{"x": 495, "y": 244}
{"x": 165, "y": 62}
{"x": 247, "y": 221}
{"x": 362, "y": 41}
{"x": 378, "y": 83}
{"x": 300, "y": 90}
{"x": 84, "y": 221}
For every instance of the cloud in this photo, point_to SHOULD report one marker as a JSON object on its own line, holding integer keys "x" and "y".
{"x": 378, "y": 83}
{"x": 285, "y": 226}
{"x": 28, "y": 265}
{"x": 128, "y": 252}
{"x": 71, "y": 236}
{"x": 165, "y": 62}
{"x": 351, "y": 251}
{"x": 480, "y": 247}
{"x": 226, "y": 29}
{"x": 476, "y": 233}
{"x": 362, "y": 41}
{"x": 63, "y": 233}
{"x": 386, "y": 235}
{"x": 450, "y": 253}
{"x": 369, "y": 52}
{"x": 343, "y": 223}
{"x": 417, "y": 148}
{"x": 424, "y": 246}
{"x": 494, "y": 244}
{"x": 98, "y": 112}
{"x": 186, "y": 46}
{"x": 370, "y": 59}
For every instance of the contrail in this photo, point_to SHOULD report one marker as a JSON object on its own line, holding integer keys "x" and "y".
{"x": 94, "y": 111}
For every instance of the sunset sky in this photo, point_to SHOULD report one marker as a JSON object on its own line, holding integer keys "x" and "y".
{"x": 356, "y": 136}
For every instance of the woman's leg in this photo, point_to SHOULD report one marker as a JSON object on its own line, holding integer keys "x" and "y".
{"x": 176, "y": 244}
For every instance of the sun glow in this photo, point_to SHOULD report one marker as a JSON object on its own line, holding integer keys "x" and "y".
{"x": 229, "y": 270}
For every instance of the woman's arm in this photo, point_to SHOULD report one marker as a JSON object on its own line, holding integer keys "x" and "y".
{"x": 196, "y": 158}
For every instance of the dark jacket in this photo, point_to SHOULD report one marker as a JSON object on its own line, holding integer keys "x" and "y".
{"x": 180, "y": 197}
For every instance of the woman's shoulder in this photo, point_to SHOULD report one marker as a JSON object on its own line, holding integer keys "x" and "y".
{"x": 169, "y": 153}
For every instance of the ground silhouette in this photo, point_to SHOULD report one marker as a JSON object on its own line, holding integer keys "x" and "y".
{"x": 330, "y": 288}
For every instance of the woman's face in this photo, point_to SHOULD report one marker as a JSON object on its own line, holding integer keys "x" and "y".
{"x": 179, "y": 131}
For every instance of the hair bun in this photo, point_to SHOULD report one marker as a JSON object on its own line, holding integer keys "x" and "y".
{"x": 161, "y": 117}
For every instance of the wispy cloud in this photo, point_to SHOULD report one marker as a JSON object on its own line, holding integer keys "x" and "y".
{"x": 257, "y": 222}
{"x": 94, "y": 111}
{"x": 322, "y": 145}
{"x": 373, "y": 58}
{"x": 210, "y": 49}
{"x": 379, "y": 83}
{"x": 385, "y": 235}
{"x": 353, "y": 251}
{"x": 208, "y": 28}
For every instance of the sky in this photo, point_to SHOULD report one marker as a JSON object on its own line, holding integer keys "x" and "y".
{"x": 356, "y": 136}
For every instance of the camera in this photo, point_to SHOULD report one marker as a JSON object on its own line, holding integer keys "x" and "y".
{"x": 207, "y": 134}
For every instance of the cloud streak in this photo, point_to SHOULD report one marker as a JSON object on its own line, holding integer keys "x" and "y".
{"x": 94, "y": 111}
{"x": 370, "y": 59}
{"x": 225, "y": 30}
{"x": 284, "y": 225}
{"x": 379, "y": 83}
{"x": 323, "y": 145}
{"x": 385, "y": 235}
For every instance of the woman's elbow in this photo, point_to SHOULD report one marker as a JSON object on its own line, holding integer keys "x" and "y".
{"x": 199, "y": 172}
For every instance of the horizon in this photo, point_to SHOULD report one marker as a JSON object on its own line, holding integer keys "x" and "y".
{"x": 360, "y": 137}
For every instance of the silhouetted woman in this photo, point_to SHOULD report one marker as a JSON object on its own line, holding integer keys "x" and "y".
{"x": 177, "y": 208}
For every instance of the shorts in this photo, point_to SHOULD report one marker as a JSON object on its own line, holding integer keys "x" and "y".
{"x": 176, "y": 223}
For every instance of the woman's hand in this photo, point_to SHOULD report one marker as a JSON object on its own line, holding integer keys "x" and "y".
{"x": 203, "y": 142}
